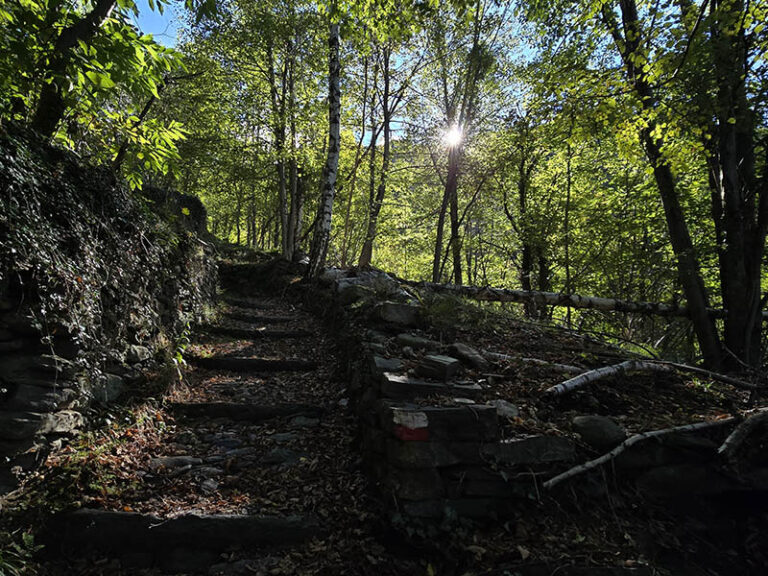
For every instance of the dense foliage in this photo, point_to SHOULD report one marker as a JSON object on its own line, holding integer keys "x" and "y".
{"x": 615, "y": 148}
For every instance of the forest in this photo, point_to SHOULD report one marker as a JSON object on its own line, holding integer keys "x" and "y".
{"x": 600, "y": 148}
{"x": 459, "y": 287}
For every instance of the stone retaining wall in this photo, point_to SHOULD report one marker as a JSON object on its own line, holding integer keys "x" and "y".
{"x": 435, "y": 450}
{"x": 96, "y": 286}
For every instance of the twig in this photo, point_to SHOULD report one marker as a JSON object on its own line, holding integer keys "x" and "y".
{"x": 576, "y": 470}
{"x": 736, "y": 438}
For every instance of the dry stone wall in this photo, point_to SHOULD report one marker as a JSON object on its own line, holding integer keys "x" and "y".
{"x": 96, "y": 285}
{"x": 432, "y": 432}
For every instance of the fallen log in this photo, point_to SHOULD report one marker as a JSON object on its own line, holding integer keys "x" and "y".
{"x": 488, "y": 294}
{"x": 739, "y": 435}
{"x": 632, "y": 440}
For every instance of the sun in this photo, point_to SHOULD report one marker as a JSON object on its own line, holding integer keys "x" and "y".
{"x": 453, "y": 137}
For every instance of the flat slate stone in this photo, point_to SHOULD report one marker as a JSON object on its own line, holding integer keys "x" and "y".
{"x": 247, "y": 303}
{"x": 236, "y": 364}
{"x": 469, "y": 356}
{"x": 533, "y": 450}
{"x": 438, "y": 367}
{"x": 257, "y": 318}
{"x": 253, "y": 333}
{"x": 403, "y": 387}
{"x": 244, "y": 412}
{"x": 173, "y": 462}
{"x": 125, "y": 532}
{"x": 382, "y": 365}
{"x": 417, "y": 342}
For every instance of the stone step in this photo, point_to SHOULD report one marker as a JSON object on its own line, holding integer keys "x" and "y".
{"x": 184, "y": 543}
{"x": 253, "y": 334}
{"x": 243, "y": 412}
{"x": 239, "y": 364}
{"x": 252, "y": 303}
{"x": 403, "y": 387}
{"x": 257, "y": 318}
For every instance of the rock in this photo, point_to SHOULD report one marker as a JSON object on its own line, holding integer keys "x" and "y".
{"x": 506, "y": 409}
{"x": 63, "y": 422}
{"x": 280, "y": 456}
{"x": 469, "y": 356}
{"x": 399, "y": 314}
{"x": 387, "y": 364}
{"x": 438, "y": 367}
{"x": 376, "y": 347}
{"x": 399, "y": 386}
{"x": 209, "y": 485}
{"x": 173, "y": 462}
{"x": 136, "y": 354}
{"x": 109, "y": 389}
{"x": 304, "y": 422}
{"x": 417, "y": 342}
{"x": 330, "y": 276}
{"x": 532, "y": 450}
{"x": 38, "y": 398}
{"x": 282, "y": 437}
{"x": 351, "y": 292}
{"x": 600, "y": 432}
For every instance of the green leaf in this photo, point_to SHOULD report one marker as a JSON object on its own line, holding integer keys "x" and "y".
{"x": 101, "y": 81}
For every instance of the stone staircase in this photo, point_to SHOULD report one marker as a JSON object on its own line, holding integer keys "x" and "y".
{"x": 226, "y": 437}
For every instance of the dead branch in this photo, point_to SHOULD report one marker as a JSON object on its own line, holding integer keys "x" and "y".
{"x": 629, "y": 442}
{"x": 565, "y": 368}
{"x": 736, "y": 438}
{"x": 606, "y": 372}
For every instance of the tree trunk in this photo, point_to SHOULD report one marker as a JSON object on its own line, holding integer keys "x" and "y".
{"x": 295, "y": 214}
{"x": 451, "y": 185}
{"x": 278, "y": 132}
{"x": 322, "y": 233}
{"x": 375, "y": 206}
{"x": 51, "y": 104}
{"x": 743, "y": 221}
{"x": 680, "y": 238}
